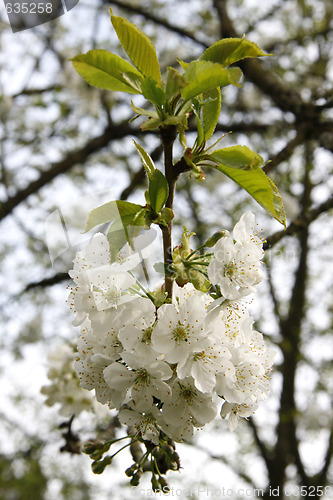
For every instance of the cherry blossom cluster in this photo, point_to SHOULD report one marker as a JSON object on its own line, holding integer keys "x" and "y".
{"x": 174, "y": 367}
{"x": 64, "y": 388}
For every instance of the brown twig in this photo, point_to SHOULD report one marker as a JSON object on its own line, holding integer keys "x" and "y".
{"x": 156, "y": 20}
{"x": 168, "y": 136}
{"x": 73, "y": 158}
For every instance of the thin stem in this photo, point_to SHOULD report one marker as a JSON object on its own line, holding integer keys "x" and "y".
{"x": 189, "y": 263}
{"x": 156, "y": 467}
{"x": 168, "y": 136}
{"x": 122, "y": 448}
{"x": 116, "y": 440}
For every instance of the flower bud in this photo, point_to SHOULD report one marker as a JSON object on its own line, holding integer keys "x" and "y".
{"x": 96, "y": 455}
{"x": 215, "y": 238}
{"x": 155, "y": 484}
{"x": 157, "y": 453}
{"x": 136, "y": 478}
{"x": 92, "y": 446}
{"x": 164, "y": 484}
{"x": 169, "y": 450}
{"x": 98, "y": 467}
{"x": 131, "y": 470}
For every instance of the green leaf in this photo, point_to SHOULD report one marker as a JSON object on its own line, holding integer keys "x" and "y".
{"x": 205, "y": 75}
{"x": 144, "y": 112}
{"x": 158, "y": 190}
{"x": 134, "y": 81}
{"x": 166, "y": 216}
{"x": 200, "y": 130}
{"x": 146, "y": 159}
{"x": 155, "y": 122}
{"x": 159, "y": 267}
{"x": 152, "y": 123}
{"x": 174, "y": 83}
{"x": 259, "y": 186}
{"x": 230, "y": 50}
{"x": 210, "y": 111}
{"x": 240, "y": 157}
{"x": 152, "y": 91}
{"x": 119, "y": 237}
{"x": 138, "y": 47}
{"x": 107, "y": 71}
{"x": 183, "y": 64}
{"x": 120, "y": 213}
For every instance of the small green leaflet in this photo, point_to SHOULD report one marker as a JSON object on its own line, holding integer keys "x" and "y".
{"x": 146, "y": 159}
{"x": 230, "y": 50}
{"x": 205, "y": 75}
{"x": 144, "y": 112}
{"x": 158, "y": 190}
{"x": 120, "y": 213}
{"x": 152, "y": 91}
{"x": 210, "y": 111}
{"x": 138, "y": 47}
{"x": 242, "y": 165}
{"x": 107, "y": 71}
{"x": 174, "y": 83}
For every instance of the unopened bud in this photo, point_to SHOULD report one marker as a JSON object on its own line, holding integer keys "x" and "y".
{"x": 155, "y": 484}
{"x": 136, "y": 478}
{"x": 130, "y": 471}
{"x": 169, "y": 450}
{"x": 96, "y": 455}
{"x": 157, "y": 453}
{"x": 164, "y": 485}
{"x": 215, "y": 238}
{"x": 98, "y": 466}
{"x": 91, "y": 446}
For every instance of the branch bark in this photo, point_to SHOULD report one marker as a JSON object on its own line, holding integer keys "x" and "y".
{"x": 286, "y": 98}
{"x": 73, "y": 158}
{"x": 287, "y": 447}
{"x": 299, "y": 224}
{"x": 156, "y": 20}
{"x": 168, "y": 136}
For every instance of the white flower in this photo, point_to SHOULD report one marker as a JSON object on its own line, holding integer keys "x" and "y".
{"x": 140, "y": 379}
{"x": 209, "y": 358}
{"x": 179, "y": 329}
{"x": 248, "y": 375}
{"x": 182, "y": 293}
{"x": 235, "y": 317}
{"x": 92, "y": 360}
{"x": 244, "y": 234}
{"x": 187, "y": 407}
{"x": 136, "y": 334}
{"x": 145, "y": 422}
{"x": 109, "y": 288}
{"x": 64, "y": 388}
{"x": 60, "y": 360}
{"x": 235, "y": 411}
{"x": 100, "y": 284}
{"x": 129, "y": 256}
{"x": 235, "y": 265}
{"x": 252, "y": 360}
{"x": 72, "y": 399}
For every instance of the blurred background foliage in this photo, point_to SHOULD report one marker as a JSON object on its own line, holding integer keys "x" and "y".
{"x": 62, "y": 141}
